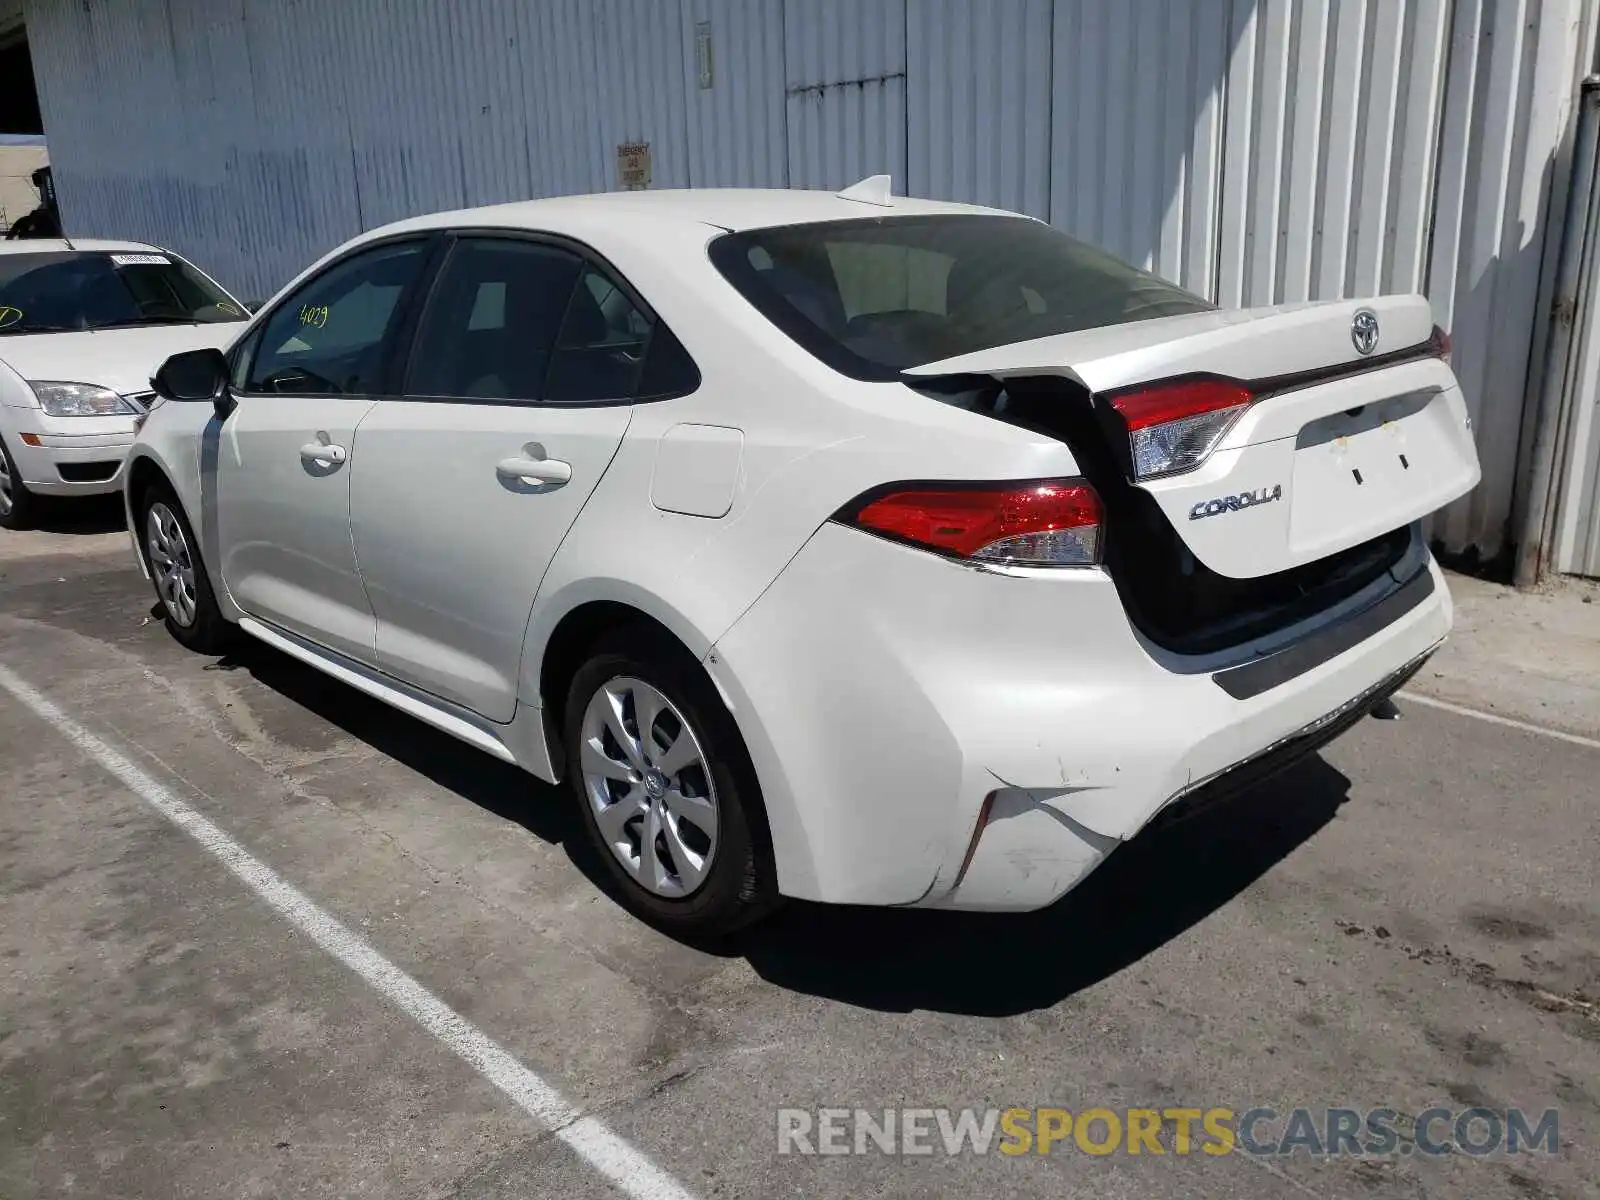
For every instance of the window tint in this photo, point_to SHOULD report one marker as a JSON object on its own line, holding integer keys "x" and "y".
{"x": 239, "y": 372}
{"x": 872, "y": 297}
{"x": 493, "y": 320}
{"x": 668, "y": 369}
{"x": 600, "y": 352}
{"x": 328, "y": 337}
{"x": 51, "y": 291}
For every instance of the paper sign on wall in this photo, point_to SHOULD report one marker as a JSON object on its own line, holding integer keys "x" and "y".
{"x": 633, "y": 166}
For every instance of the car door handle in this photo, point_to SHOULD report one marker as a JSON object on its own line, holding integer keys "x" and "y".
{"x": 320, "y": 452}
{"x": 535, "y": 470}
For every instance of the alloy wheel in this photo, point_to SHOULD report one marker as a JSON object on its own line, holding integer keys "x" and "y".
{"x": 649, "y": 787}
{"x": 171, "y": 563}
{"x": 6, "y": 486}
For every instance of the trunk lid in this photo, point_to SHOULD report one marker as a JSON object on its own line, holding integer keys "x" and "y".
{"x": 1337, "y": 448}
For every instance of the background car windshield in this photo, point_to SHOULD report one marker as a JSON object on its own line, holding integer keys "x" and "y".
{"x": 71, "y": 290}
{"x": 872, "y": 297}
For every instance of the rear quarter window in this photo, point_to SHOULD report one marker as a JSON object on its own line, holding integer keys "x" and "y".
{"x": 872, "y": 297}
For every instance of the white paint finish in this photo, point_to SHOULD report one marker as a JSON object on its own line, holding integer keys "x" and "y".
{"x": 451, "y": 606}
{"x": 1029, "y": 852}
{"x": 364, "y": 679}
{"x": 284, "y": 523}
{"x": 771, "y": 597}
{"x": 1325, "y": 507}
{"x": 1276, "y": 340}
{"x": 615, "y": 1159}
{"x": 697, "y": 470}
{"x": 962, "y": 687}
{"x": 120, "y": 360}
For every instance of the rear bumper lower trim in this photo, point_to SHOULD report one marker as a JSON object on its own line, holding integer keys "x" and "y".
{"x": 1266, "y": 673}
{"x": 1285, "y": 753}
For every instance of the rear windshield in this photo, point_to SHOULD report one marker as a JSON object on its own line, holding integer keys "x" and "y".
{"x": 872, "y": 297}
{"x": 51, "y": 291}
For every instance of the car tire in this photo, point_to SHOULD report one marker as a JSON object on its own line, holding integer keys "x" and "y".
{"x": 183, "y": 589}
{"x": 717, "y": 814}
{"x": 19, "y": 508}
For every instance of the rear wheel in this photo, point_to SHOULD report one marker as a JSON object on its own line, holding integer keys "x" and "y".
{"x": 669, "y": 798}
{"x": 19, "y": 507}
{"x": 173, "y": 555}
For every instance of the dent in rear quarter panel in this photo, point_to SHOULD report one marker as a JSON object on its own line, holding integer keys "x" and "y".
{"x": 880, "y": 716}
{"x": 887, "y": 690}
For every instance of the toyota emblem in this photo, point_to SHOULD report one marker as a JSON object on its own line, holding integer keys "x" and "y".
{"x": 1364, "y": 331}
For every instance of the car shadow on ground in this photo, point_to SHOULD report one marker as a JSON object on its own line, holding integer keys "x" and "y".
{"x": 495, "y": 786}
{"x": 989, "y": 964}
{"x": 81, "y": 515}
{"x": 1147, "y": 893}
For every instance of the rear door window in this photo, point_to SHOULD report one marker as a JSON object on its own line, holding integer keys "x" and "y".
{"x": 513, "y": 320}
{"x": 601, "y": 349}
{"x": 492, "y": 321}
{"x": 872, "y": 297}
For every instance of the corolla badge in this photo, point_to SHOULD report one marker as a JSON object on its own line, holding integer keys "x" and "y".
{"x": 1364, "y": 330}
{"x": 1228, "y": 504}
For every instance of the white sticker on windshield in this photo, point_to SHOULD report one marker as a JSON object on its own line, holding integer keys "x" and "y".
{"x": 141, "y": 260}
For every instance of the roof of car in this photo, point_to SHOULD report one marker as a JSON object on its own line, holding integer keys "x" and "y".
{"x": 58, "y": 245}
{"x": 726, "y": 208}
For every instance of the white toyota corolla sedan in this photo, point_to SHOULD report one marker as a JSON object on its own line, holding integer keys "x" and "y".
{"x": 848, "y": 547}
{"x": 82, "y": 325}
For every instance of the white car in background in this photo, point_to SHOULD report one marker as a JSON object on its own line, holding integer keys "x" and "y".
{"x": 83, "y": 324}
{"x": 847, "y": 547}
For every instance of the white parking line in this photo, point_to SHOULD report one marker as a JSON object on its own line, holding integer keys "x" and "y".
{"x": 608, "y": 1153}
{"x": 1462, "y": 710}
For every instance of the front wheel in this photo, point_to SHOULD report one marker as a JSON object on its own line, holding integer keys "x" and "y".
{"x": 18, "y": 506}
{"x": 668, "y": 795}
{"x": 173, "y": 555}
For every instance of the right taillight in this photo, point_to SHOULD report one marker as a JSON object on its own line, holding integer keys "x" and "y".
{"x": 1038, "y": 523}
{"x": 1172, "y": 427}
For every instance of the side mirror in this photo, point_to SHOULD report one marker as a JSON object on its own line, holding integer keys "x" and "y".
{"x": 195, "y": 376}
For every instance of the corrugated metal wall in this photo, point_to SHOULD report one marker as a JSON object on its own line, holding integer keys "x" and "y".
{"x": 978, "y": 118}
{"x": 1258, "y": 151}
{"x": 845, "y": 81}
{"x": 1572, "y": 538}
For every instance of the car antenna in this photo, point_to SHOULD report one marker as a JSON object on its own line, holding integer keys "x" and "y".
{"x": 874, "y": 189}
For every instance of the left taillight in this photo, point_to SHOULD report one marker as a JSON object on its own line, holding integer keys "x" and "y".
{"x": 1037, "y": 523}
{"x": 1172, "y": 427}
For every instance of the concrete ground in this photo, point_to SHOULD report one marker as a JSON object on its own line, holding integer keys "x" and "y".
{"x": 1409, "y": 920}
